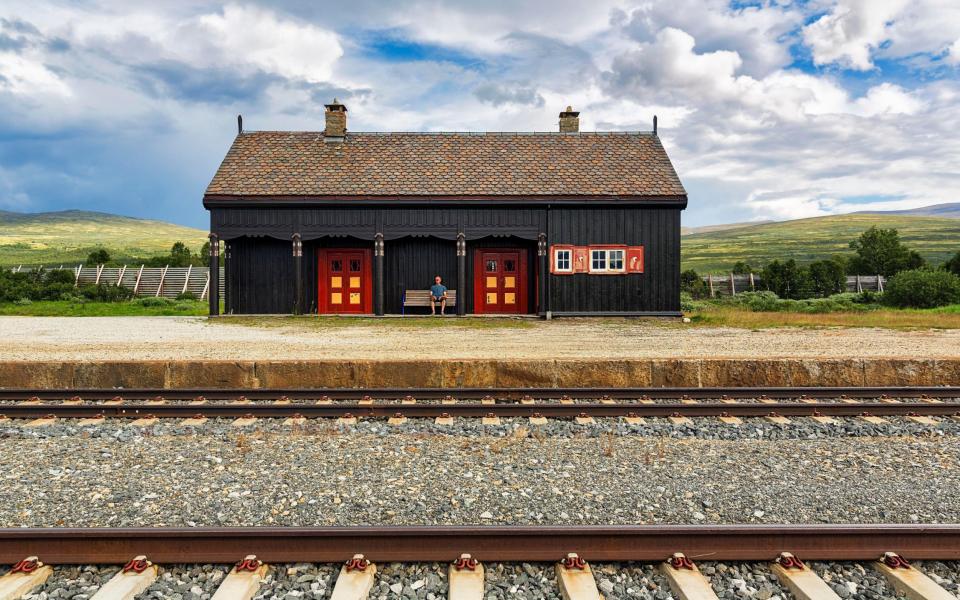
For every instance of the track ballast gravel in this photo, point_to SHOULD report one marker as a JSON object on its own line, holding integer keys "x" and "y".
{"x": 375, "y": 474}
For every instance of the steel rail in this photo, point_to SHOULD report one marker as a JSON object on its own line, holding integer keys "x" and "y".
{"x": 476, "y": 393}
{"x": 473, "y": 409}
{"x": 500, "y": 543}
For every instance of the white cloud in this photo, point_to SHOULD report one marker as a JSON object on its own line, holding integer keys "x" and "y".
{"x": 26, "y": 77}
{"x": 856, "y": 32}
{"x": 259, "y": 37}
{"x": 953, "y": 53}
{"x": 851, "y": 31}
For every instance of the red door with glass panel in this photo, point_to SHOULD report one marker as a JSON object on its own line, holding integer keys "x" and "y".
{"x": 500, "y": 284}
{"x": 344, "y": 281}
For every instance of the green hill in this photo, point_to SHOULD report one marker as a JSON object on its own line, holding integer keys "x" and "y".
{"x": 68, "y": 236}
{"x": 812, "y": 239}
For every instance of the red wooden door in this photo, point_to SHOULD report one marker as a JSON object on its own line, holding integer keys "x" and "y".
{"x": 344, "y": 281}
{"x": 500, "y": 284}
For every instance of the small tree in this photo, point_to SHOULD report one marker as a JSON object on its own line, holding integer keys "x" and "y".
{"x": 98, "y": 257}
{"x": 180, "y": 255}
{"x": 880, "y": 252}
{"x": 828, "y": 277}
{"x": 786, "y": 279}
{"x": 742, "y": 268}
{"x": 953, "y": 265}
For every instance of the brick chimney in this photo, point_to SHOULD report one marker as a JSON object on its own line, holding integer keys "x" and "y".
{"x": 336, "y": 116}
{"x": 570, "y": 121}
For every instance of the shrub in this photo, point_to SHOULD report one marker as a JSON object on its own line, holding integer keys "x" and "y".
{"x": 953, "y": 265}
{"x": 59, "y": 276}
{"x": 105, "y": 293}
{"x": 922, "y": 288}
{"x": 153, "y": 302}
{"x": 187, "y": 296}
{"x": 692, "y": 283}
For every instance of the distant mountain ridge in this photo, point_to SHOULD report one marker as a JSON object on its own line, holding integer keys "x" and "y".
{"x": 948, "y": 210}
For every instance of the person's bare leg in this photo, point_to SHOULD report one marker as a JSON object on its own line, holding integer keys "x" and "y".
{"x": 433, "y": 307}
{"x": 443, "y": 306}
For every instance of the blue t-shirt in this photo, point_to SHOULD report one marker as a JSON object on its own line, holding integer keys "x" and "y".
{"x": 437, "y": 290}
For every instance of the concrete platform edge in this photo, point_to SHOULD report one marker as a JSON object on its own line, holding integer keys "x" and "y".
{"x": 454, "y": 373}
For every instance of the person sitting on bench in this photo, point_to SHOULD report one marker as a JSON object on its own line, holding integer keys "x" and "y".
{"x": 438, "y": 293}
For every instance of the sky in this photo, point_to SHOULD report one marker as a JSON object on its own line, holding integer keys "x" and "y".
{"x": 769, "y": 110}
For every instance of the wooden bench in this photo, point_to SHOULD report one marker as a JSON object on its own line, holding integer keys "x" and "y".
{"x": 422, "y": 298}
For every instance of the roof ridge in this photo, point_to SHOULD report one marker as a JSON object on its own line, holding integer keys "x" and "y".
{"x": 467, "y": 133}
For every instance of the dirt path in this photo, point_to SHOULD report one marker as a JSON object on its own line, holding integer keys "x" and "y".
{"x": 141, "y": 338}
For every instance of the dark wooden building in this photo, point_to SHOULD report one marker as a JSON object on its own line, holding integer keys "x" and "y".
{"x": 563, "y": 223}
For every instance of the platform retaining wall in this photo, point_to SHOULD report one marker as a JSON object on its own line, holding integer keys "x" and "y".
{"x": 481, "y": 373}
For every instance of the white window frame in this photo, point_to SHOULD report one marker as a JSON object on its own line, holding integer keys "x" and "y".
{"x": 606, "y": 260}
{"x": 556, "y": 260}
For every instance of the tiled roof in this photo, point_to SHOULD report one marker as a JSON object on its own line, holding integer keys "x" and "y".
{"x": 272, "y": 163}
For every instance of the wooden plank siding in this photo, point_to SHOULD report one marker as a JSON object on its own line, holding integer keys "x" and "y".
{"x": 420, "y": 242}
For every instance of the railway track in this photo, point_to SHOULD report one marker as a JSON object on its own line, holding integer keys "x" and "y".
{"x": 503, "y": 393}
{"x": 674, "y": 549}
{"x": 236, "y": 404}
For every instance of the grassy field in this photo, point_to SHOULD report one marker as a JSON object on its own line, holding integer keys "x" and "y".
{"x": 50, "y": 308}
{"x": 812, "y": 239}
{"x": 69, "y": 236}
{"x": 947, "y": 317}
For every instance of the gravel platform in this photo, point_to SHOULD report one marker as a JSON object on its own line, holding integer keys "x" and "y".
{"x": 271, "y": 338}
{"x": 107, "y": 476}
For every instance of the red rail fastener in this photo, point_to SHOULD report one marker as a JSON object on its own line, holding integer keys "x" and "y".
{"x": 537, "y": 415}
{"x": 566, "y": 398}
{"x": 325, "y": 399}
{"x": 118, "y": 398}
{"x": 573, "y": 561}
{"x": 357, "y": 563}
{"x": 27, "y": 565}
{"x": 449, "y": 398}
{"x": 249, "y": 563}
{"x": 583, "y": 415}
{"x": 680, "y": 561}
{"x": 465, "y": 563}
{"x": 199, "y": 399}
{"x": 138, "y": 564}
{"x": 632, "y": 414}
{"x": 409, "y": 399}
{"x": 398, "y": 415}
{"x": 159, "y": 399}
{"x": 789, "y": 561}
{"x": 895, "y": 561}
{"x": 444, "y": 415}
{"x": 76, "y": 399}
{"x": 33, "y": 399}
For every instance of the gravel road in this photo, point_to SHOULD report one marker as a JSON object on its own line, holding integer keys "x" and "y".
{"x": 142, "y": 338}
{"x": 267, "y": 475}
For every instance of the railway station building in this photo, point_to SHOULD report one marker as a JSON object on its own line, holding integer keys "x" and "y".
{"x": 563, "y": 223}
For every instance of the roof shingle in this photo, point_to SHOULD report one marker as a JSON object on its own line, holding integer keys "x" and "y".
{"x": 272, "y": 163}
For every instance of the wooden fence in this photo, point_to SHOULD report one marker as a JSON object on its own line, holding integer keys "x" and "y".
{"x": 730, "y": 284}
{"x": 168, "y": 282}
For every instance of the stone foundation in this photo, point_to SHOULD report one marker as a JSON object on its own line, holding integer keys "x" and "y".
{"x": 481, "y": 373}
